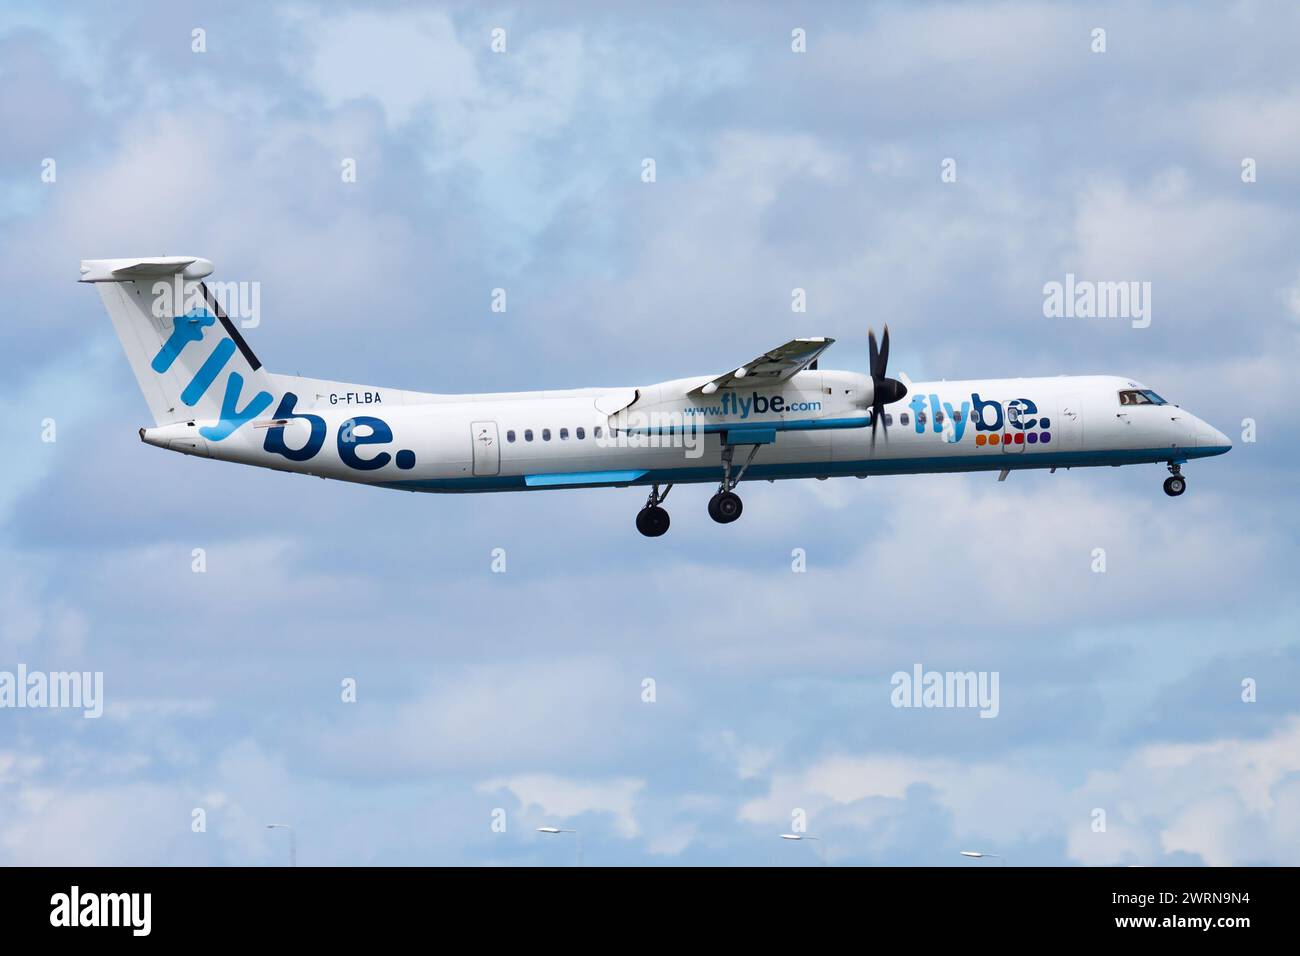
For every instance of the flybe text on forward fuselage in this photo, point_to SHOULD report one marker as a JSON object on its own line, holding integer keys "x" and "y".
{"x": 1019, "y": 421}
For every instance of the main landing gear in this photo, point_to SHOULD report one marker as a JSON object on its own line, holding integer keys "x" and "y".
{"x": 1175, "y": 484}
{"x": 726, "y": 506}
{"x": 652, "y": 520}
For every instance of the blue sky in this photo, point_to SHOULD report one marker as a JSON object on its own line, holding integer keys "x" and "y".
{"x": 522, "y": 692}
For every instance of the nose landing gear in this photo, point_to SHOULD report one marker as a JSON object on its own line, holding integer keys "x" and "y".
{"x": 1175, "y": 484}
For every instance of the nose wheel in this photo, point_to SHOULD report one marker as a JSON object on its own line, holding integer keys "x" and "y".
{"x": 1175, "y": 484}
{"x": 652, "y": 520}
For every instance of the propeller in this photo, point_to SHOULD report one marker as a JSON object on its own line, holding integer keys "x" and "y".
{"x": 884, "y": 390}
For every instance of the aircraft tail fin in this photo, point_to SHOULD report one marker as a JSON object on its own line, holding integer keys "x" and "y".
{"x": 189, "y": 358}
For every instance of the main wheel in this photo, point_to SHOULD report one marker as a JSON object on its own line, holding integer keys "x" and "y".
{"x": 725, "y": 507}
{"x": 652, "y": 522}
{"x": 1175, "y": 486}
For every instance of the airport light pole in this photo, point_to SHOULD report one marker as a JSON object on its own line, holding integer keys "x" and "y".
{"x": 980, "y": 855}
{"x": 821, "y": 844}
{"x": 293, "y": 840}
{"x": 577, "y": 836}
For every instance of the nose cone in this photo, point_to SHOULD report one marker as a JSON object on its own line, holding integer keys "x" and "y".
{"x": 1210, "y": 440}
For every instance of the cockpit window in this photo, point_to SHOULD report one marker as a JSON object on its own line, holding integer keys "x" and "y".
{"x": 1140, "y": 396}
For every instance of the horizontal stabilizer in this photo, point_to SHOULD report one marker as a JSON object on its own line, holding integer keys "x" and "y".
{"x": 120, "y": 270}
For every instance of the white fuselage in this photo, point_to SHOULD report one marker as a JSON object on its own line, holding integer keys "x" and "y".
{"x": 815, "y": 424}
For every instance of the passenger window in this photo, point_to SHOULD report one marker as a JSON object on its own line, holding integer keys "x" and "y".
{"x": 510, "y": 435}
{"x": 596, "y": 431}
{"x": 580, "y": 433}
{"x": 546, "y": 434}
{"x": 889, "y": 419}
{"x": 938, "y": 417}
{"x": 528, "y": 434}
{"x": 905, "y": 418}
{"x": 564, "y": 434}
{"x": 956, "y": 416}
{"x": 920, "y": 417}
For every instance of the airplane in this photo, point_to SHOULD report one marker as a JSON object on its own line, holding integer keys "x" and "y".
{"x": 777, "y": 416}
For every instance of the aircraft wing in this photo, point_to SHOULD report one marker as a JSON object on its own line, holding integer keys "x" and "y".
{"x": 771, "y": 367}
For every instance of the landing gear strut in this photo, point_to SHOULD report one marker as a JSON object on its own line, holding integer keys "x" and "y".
{"x": 1175, "y": 484}
{"x": 652, "y": 520}
{"x": 726, "y": 506}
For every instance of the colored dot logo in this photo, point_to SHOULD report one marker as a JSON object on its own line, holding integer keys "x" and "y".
{"x": 1014, "y": 438}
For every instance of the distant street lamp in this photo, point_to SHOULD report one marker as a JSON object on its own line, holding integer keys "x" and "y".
{"x": 979, "y": 855}
{"x": 293, "y": 840}
{"x": 577, "y": 836}
{"x": 821, "y": 844}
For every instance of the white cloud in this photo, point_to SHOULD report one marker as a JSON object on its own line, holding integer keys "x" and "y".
{"x": 1229, "y": 801}
{"x": 402, "y": 60}
{"x": 1263, "y": 124}
{"x": 1154, "y": 232}
{"x": 562, "y": 799}
{"x": 525, "y": 712}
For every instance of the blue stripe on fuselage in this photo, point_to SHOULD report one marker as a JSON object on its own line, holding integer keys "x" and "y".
{"x": 578, "y": 479}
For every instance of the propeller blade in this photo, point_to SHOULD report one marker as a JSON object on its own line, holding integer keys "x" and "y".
{"x": 884, "y": 390}
{"x": 878, "y": 416}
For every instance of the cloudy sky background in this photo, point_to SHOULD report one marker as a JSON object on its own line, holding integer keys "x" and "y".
{"x": 522, "y": 691}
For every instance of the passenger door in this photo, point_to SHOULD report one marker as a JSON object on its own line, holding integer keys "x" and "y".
{"x": 1068, "y": 430}
{"x": 487, "y": 451}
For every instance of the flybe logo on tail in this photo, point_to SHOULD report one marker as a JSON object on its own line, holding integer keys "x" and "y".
{"x": 1019, "y": 422}
{"x": 189, "y": 328}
